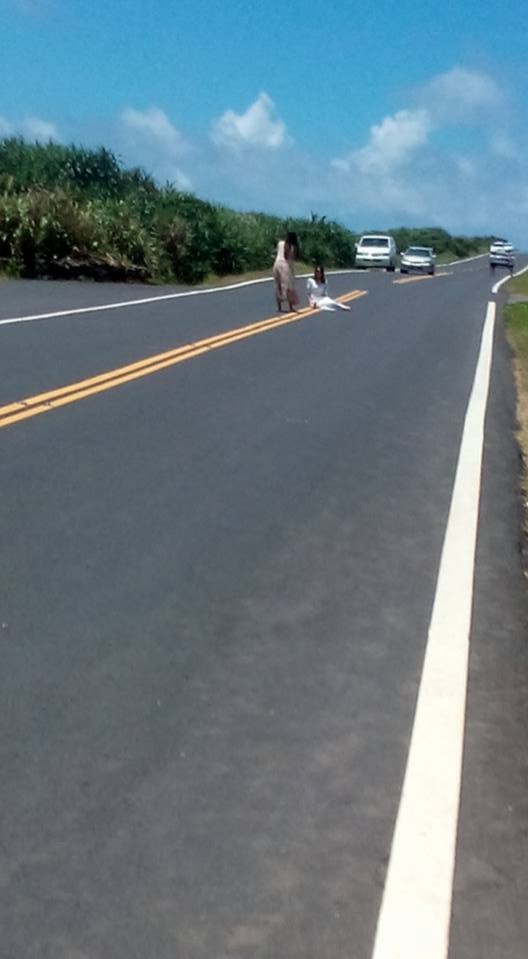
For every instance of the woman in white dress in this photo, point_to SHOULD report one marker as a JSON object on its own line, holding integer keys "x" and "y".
{"x": 318, "y": 292}
{"x": 284, "y": 273}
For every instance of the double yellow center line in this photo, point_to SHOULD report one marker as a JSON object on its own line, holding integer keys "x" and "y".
{"x": 53, "y": 399}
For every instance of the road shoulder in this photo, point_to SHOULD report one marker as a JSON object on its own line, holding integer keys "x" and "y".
{"x": 491, "y": 877}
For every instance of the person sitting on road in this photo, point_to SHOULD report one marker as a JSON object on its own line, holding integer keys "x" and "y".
{"x": 318, "y": 292}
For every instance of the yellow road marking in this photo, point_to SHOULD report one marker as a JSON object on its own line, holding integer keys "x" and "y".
{"x": 416, "y": 279}
{"x": 71, "y": 393}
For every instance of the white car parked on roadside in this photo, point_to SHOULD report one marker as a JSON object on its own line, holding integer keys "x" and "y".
{"x": 374, "y": 250}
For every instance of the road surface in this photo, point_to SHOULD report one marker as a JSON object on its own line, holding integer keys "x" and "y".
{"x": 219, "y": 572}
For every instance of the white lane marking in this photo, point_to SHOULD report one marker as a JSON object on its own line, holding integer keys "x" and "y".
{"x": 467, "y": 259}
{"x": 78, "y": 311}
{"x": 496, "y": 287}
{"x": 153, "y": 299}
{"x": 416, "y": 906}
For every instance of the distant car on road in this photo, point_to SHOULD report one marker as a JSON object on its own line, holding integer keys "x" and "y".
{"x": 418, "y": 259}
{"x": 374, "y": 250}
{"x": 501, "y": 253}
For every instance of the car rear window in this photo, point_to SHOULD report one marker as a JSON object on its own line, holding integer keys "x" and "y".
{"x": 374, "y": 241}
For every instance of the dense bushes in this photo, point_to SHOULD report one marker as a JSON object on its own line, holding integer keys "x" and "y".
{"x": 69, "y": 209}
{"x": 440, "y": 240}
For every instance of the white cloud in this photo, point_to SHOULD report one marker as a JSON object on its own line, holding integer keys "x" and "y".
{"x": 155, "y": 125}
{"x": 403, "y": 172}
{"x": 37, "y": 129}
{"x": 174, "y": 174}
{"x": 461, "y": 94}
{"x": 391, "y": 142}
{"x": 466, "y": 166}
{"x": 32, "y": 128}
{"x": 471, "y": 195}
{"x": 407, "y": 172}
{"x": 157, "y": 143}
{"x": 382, "y": 193}
{"x": 339, "y": 163}
{"x": 6, "y": 128}
{"x": 426, "y": 163}
{"x": 503, "y": 146}
{"x": 257, "y": 127}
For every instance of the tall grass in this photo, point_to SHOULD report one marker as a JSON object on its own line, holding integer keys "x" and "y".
{"x": 69, "y": 209}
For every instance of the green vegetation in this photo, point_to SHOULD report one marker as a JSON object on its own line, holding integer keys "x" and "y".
{"x": 519, "y": 284}
{"x": 70, "y": 211}
{"x": 517, "y": 326}
{"x": 446, "y": 247}
{"x": 516, "y": 315}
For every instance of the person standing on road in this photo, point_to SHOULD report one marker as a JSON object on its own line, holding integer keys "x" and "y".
{"x": 318, "y": 292}
{"x": 284, "y": 273}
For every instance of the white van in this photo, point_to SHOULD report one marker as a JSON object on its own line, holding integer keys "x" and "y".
{"x": 374, "y": 250}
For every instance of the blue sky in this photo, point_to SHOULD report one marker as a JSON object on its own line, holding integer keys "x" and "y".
{"x": 378, "y": 115}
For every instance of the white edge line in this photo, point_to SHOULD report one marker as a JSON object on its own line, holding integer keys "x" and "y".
{"x": 152, "y": 299}
{"x": 496, "y": 286}
{"x": 414, "y": 919}
{"x": 466, "y": 259}
{"x": 78, "y": 311}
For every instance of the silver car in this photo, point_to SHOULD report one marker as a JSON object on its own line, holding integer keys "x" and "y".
{"x": 418, "y": 259}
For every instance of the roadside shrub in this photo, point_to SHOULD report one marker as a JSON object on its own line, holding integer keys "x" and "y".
{"x": 230, "y": 243}
{"x": 126, "y": 236}
{"x": 39, "y": 227}
{"x": 71, "y": 202}
{"x": 173, "y": 236}
{"x": 461, "y": 246}
{"x": 52, "y": 165}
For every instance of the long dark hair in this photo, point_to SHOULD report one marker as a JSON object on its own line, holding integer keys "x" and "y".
{"x": 292, "y": 243}
{"x": 319, "y": 266}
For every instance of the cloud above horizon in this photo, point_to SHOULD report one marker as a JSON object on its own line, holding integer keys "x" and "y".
{"x": 406, "y": 168}
{"x": 443, "y": 158}
{"x": 32, "y": 128}
{"x": 461, "y": 95}
{"x": 155, "y": 124}
{"x": 258, "y": 127}
{"x": 391, "y": 143}
{"x": 156, "y": 141}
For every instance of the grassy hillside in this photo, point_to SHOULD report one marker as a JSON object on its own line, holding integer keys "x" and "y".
{"x": 69, "y": 211}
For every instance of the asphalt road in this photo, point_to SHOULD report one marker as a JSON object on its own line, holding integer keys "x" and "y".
{"x": 216, "y": 587}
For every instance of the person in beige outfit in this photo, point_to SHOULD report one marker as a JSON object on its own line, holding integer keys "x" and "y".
{"x": 284, "y": 273}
